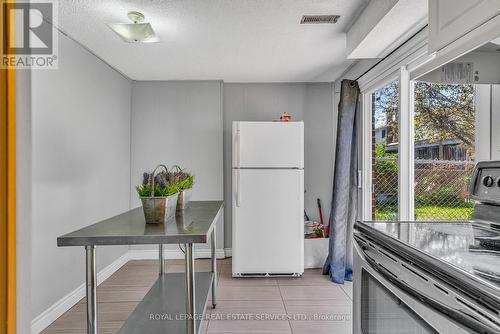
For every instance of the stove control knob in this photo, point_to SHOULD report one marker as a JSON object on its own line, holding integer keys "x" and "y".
{"x": 488, "y": 181}
{"x": 498, "y": 181}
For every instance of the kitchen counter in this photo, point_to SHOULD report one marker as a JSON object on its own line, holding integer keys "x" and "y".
{"x": 462, "y": 254}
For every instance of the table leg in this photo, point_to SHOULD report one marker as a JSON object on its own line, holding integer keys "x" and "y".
{"x": 214, "y": 269}
{"x": 161, "y": 258}
{"x": 190, "y": 293}
{"x": 91, "y": 290}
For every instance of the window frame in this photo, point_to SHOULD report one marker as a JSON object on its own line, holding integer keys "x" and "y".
{"x": 406, "y": 145}
{"x": 366, "y": 145}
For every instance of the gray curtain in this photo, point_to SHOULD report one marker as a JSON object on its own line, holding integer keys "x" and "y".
{"x": 343, "y": 215}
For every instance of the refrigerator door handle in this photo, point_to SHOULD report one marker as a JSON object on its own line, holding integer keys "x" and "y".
{"x": 238, "y": 186}
{"x": 238, "y": 148}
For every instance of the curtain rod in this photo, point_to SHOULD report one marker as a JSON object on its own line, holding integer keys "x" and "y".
{"x": 390, "y": 53}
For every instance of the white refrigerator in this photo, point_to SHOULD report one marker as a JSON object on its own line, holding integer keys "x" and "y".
{"x": 268, "y": 198}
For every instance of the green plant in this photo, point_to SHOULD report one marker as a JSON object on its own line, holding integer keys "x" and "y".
{"x": 166, "y": 183}
{"x": 445, "y": 195}
{"x": 163, "y": 184}
{"x": 170, "y": 189}
{"x": 184, "y": 179}
{"x": 385, "y": 163}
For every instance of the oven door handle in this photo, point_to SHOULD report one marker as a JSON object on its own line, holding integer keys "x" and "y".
{"x": 359, "y": 250}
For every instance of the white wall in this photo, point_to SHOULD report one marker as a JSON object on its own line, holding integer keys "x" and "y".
{"x": 495, "y": 122}
{"x": 482, "y": 103}
{"x": 178, "y": 122}
{"x": 311, "y": 103}
{"x": 81, "y": 165}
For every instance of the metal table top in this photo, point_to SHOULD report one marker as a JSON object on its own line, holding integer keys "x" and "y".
{"x": 191, "y": 226}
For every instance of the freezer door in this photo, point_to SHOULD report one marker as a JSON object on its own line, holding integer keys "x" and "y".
{"x": 267, "y": 221}
{"x": 268, "y": 144}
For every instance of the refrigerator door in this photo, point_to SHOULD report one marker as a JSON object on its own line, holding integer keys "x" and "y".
{"x": 268, "y": 145}
{"x": 268, "y": 228}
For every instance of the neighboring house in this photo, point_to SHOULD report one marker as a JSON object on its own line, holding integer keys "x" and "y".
{"x": 449, "y": 150}
{"x": 380, "y": 135}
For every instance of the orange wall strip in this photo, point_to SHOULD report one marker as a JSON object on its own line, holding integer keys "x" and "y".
{"x": 8, "y": 189}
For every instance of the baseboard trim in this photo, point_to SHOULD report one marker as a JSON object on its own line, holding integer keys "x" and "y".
{"x": 44, "y": 319}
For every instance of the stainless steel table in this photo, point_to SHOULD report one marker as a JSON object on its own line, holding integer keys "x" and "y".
{"x": 165, "y": 308}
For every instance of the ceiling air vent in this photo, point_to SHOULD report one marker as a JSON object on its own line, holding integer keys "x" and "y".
{"x": 319, "y": 19}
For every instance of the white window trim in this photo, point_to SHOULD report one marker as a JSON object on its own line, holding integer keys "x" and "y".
{"x": 406, "y": 147}
{"x": 366, "y": 163}
{"x": 366, "y": 146}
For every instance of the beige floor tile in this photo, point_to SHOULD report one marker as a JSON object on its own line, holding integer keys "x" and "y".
{"x": 80, "y": 331}
{"x": 199, "y": 265}
{"x": 142, "y": 263}
{"x": 225, "y": 308}
{"x": 226, "y": 279}
{"x": 249, "y": 326}
{"x": 313, "y": 277}
{"x": 108, "y": 317}
{"x": 226, "y": 268}
{"x": 132, "y": 277}
{"x": 347, "y": 287}
{"x": 312, "y": 295}
{"x": 248, "y": 293}
{"x": 314, "y": 309}
{"x": 120, "y": 293}
{"x": 321, "y": 327}
{"x": 313, "y": 292}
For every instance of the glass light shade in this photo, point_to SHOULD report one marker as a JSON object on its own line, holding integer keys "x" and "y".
{"x": 135, "y": 32}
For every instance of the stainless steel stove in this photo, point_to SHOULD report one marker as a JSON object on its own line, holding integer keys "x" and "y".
{"x": 432, "y": 277}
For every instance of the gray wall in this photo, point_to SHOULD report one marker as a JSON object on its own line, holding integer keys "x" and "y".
{"x": 23, "y": 201}
{"x": 319, "y": 148}
{"x": 178, "y": 122}
{"x": 81, "y": 165}
{"x": 312, "y": 103}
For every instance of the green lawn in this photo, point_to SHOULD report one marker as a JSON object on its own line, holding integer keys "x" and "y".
{"x": 461, "y": 211}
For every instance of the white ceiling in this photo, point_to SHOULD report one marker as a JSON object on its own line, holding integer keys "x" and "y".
{"x": 231, "y": 40}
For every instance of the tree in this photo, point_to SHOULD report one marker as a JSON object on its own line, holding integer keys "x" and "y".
{"x": 386, "y": 106}
{"x": 444, "y": 112}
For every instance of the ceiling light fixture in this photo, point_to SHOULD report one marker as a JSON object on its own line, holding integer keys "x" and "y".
{"x": 136, "y": 32}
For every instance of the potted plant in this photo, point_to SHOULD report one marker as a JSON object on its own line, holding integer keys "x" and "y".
{"x": 185, "y": 182}
{"x": 158, "y": 195}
